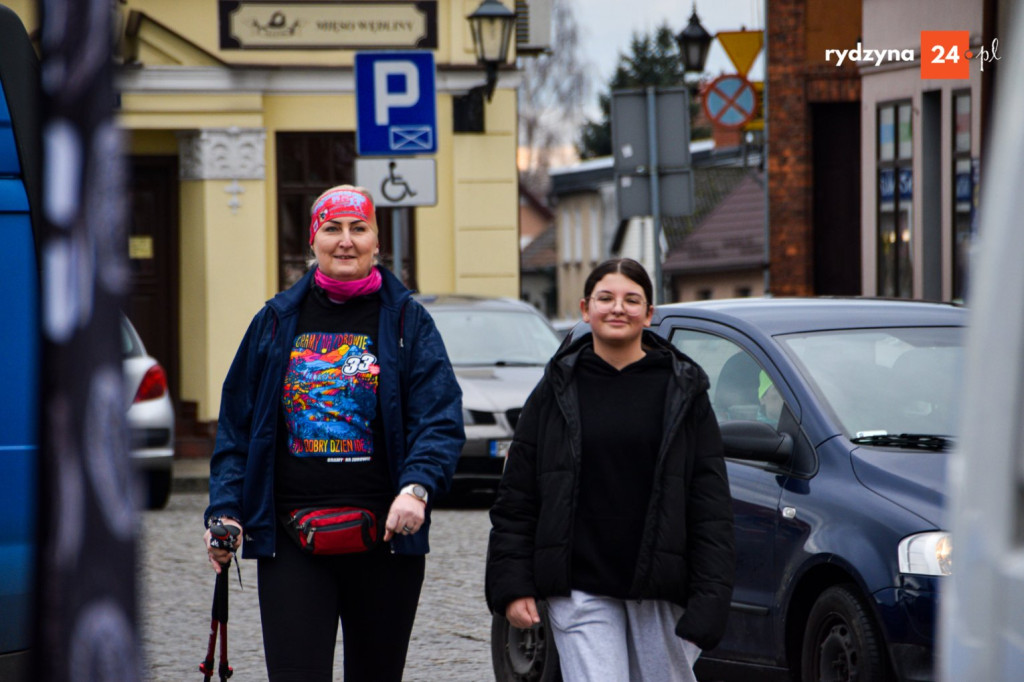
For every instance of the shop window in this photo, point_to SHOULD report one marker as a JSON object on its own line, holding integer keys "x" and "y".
{"x": 565, "y": 252}
{"x": 307, "y": 164}
{"x": 964, "y": 191}
{"x": 577, "y": 235}
{"x": 895, "y": 200}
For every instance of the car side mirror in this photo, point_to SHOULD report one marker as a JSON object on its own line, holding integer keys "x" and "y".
{"x": 755, "y": 441}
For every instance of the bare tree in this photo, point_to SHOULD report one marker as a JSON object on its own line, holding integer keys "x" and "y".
{"x": 554, "y": 88}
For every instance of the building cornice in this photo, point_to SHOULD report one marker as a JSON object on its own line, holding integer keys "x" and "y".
{"x": 215, "y": 79}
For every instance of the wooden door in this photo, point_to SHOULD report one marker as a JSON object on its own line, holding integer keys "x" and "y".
{"x": 153, "y": 252}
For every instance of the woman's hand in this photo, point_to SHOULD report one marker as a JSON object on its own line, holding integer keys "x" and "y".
{"x": 522, "y": 613}
{"x": 219, "y": 557}
{"x": 405, "y": 517}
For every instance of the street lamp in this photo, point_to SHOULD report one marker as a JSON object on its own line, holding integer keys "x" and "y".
{"x": 491, "y": 25}
{"x": 694, "y": 43}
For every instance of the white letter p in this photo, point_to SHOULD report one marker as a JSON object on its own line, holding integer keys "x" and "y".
{"x": 385, "y": 100}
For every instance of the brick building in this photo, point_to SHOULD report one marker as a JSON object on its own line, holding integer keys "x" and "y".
{"x": 873, "y": 169}
{"x": 814, "y": 193}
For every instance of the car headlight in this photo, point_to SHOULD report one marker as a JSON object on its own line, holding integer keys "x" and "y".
{"x": 927, "y": 554}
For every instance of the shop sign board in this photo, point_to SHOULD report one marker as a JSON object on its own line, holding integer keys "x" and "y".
{"x": 261, "y": 25}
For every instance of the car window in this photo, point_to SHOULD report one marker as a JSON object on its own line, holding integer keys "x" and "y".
{"x": 739, "y": 388}
{"x": 879, "y": 382}
{"x": 129, "y": 345}
{"x": 494, "y": 337}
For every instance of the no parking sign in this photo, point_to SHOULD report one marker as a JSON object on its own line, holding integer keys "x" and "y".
{"x": 730, "y": 101}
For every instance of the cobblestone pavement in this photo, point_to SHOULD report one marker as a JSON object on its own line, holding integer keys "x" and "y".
{"x": 450, "y": 641}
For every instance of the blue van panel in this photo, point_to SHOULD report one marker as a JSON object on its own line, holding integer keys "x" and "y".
{"x": 8, "y": 151}
{"x": 16, "y": 551}
{"x": 5, "y": 113}
{"x": 19, "y": 332}
{"x": 19, "y": 388}
{"x": 19, "y": 419}
{"x": 20, "y": 342}
{"x": 13, "y": 199}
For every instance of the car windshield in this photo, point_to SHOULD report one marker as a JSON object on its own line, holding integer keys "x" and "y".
{"x": 491, "y": 337}
{"x": 880, "y": 383}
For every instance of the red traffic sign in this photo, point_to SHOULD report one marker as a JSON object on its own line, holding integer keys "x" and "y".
{"x": 730, "y": 101}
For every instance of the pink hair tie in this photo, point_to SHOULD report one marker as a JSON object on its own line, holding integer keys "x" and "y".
{"x": 342, "y": 203}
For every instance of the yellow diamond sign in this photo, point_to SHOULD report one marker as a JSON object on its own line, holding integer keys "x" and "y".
{"x": 742, "y": 47}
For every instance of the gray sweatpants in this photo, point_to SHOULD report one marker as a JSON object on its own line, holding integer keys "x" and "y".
{"x": 600, "y": 639}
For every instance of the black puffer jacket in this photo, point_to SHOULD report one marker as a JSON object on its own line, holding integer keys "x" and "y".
{"x": 687, "y": 554}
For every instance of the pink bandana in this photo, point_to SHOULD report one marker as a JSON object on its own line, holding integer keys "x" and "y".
{"x": 339, "y": 291}
{"x": 342, "y": 203}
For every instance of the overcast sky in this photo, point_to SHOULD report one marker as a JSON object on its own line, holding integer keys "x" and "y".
{"x": 606, "y": 27}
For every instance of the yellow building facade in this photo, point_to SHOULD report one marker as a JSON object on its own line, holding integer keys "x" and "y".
{"x": 236, "y": 114}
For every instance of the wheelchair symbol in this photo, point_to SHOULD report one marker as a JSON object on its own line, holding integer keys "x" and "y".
{"x": 395, "y": 185}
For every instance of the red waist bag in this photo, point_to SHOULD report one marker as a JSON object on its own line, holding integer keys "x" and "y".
{"x": 335, "y": 530}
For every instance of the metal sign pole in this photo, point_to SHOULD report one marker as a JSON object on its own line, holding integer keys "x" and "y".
{"x": 652, "y": 147}
{"x": 646, "y": 157}
{"x": 397, "y": 225}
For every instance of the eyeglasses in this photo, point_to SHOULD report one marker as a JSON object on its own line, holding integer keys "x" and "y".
{"x": 631, "y": 304}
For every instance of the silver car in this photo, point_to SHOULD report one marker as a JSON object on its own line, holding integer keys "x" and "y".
{"x": 150, "y": 417}
{"x": 498, "y": 348}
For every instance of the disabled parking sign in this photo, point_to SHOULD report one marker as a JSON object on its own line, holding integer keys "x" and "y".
{"x": 398, "y": 182}
{"x": 396, "y": 103}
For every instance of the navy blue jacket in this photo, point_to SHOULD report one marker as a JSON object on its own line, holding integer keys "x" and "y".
{"x": 421, "y": 411}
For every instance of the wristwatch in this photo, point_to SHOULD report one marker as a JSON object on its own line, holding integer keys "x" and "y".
{"x": 416, "y": 490}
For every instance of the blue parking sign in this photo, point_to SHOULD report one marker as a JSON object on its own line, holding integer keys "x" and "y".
{"x": 396, "y": 104}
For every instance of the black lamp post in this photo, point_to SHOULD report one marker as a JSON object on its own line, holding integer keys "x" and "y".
{"x": 492, "y": 25}
{"x": 694, "y": 42}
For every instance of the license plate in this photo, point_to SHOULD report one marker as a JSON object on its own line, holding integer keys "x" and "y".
{"x": 499, "y": 448}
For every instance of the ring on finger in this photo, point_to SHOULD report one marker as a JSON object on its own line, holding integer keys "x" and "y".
{"x": 406, "y": 529}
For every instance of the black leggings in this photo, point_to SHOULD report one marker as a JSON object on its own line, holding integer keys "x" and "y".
{"x": 302, "y": 598}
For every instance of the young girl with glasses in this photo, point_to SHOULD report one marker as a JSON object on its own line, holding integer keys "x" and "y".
{"x": 614, "y": 508}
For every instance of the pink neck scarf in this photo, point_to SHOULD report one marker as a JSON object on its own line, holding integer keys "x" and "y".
{"x": 339, "y": 292}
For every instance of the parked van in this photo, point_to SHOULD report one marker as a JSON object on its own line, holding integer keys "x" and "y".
{"x": 19, "y": 341}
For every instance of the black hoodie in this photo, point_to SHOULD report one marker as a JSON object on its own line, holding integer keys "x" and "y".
{"x": 686, "y": 552}
{"x": 620, "y": 420}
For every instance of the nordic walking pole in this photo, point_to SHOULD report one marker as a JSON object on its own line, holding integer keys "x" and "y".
{"x": 223, "y": 537}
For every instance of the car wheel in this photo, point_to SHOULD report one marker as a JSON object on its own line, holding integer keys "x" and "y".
{"x": 524, "y": 655}
{"x": 158, "y": 489}
{"x": 841, "y": 641}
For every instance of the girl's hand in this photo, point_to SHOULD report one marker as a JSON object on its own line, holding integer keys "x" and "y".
{"x": 522, "y": 613}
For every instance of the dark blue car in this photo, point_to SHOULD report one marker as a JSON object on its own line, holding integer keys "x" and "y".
{"x": 836, "y": 416}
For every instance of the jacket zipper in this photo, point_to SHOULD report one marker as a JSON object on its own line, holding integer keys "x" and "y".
{"x": 310, "y": 531}
{"x": 667, "y": 439}
{"x": 572, "y": 426}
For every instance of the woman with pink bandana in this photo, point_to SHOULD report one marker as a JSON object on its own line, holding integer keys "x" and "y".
{"x": 341, "y": 396}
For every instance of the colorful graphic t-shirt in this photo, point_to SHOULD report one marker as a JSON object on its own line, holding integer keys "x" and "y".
{"x": 332, "y": 450}
{"x": 330, "y": 396}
